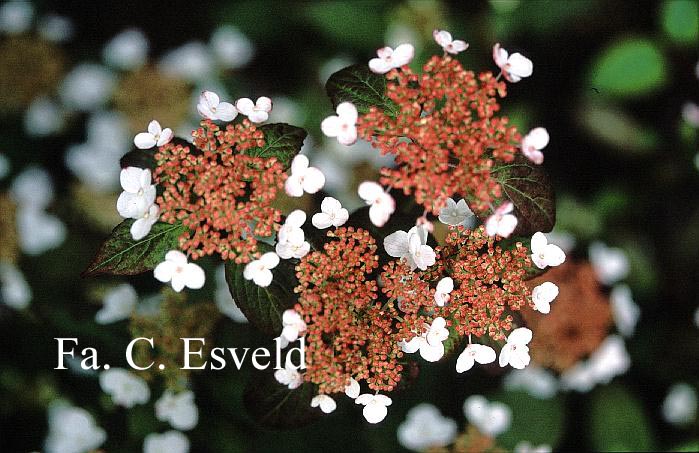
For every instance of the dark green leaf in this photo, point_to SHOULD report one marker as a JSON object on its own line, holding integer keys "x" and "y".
{"x": 538, "y": 421}
{"x": 120, "y": 254}
{"x": 275, "y": 406}
{"x": 358, "y": 85}
{"x": 282, "y": 141}
{"x": 264, "y": 306}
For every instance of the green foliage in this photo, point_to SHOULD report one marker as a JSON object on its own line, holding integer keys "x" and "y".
{"x": 629, "y": 67}
{"x": 680, "y": 20}
{"x": 264, "y": 306}
{"x": 274, "y": 405}
{"x": 618, "y": 129}
{"x": 120, "y": 254}
{"x": 617, "y": 421}
{"x": 351, "y": 23}
{"x": 358, "y": 85}
{"x": 282, "y": 141}
{"x": 538, "y": 421}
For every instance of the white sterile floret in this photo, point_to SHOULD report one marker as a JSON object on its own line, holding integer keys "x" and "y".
{"x": 303, "y": 178}
{"x": 374, "y": 406}
{"x": 624, "y": 310}
{"x": 141, "y": 227}
{"x": 502, "y": 222}
{"x": 325, "y": 403}
{"x": 343, "y": 125}
{"x": 388, "y": 58}
{"x": 138, "y": 194}
{"x": 292, "y": 242}
{"x": 118, "y": 304}
{"x": 180, "y": 273}
{"x": 429, "y": 343}
{"x": 294, "y": 326}
{"x": 382, "y": 204}
{"x": 211, "y": 107}
{"x": 352, "y": 389}
{"x": 128, "y": 50}
{"x": 474, "y": 353}
{"x": 452, "y": 46}
{"x": 514, "y": 67}
{"x": 444, "y": 288}
{"x": 125, "y": 388}
{"x": 156, "y": 136}
{"x": 490, "y": 418}
{"x": 223, "y": 299}
{"x": 455, "y": 213}
{"x": 425, "y": 428}
{"x": 543, "y": 295}
{"x": 533, "y": 143}
{"x": 545, "y": 254}
{"x": 14, "y": 290}
{"x": 16, "y": 17}
{"x": 680, "y": 405}
{"x": 516, "y": 352}
{"x": 411, "y": 246}
{"x": 259, "y": 270}
{"x": 289, "y": 376}
{"x": 71, "y": 430}
{"x": 178, "y": 409}
{"x": 332, "y": 214}
{"x": 610, "y": 263}
{"x": 292, "y": 225}
{"x": 87, "y": 87}
{"x": 39, "y": 231}
{"x": 167, "y": 442}
{"x": 258, "y": 111}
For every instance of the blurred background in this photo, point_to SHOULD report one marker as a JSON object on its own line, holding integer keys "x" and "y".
{"x": 616, "y": 85}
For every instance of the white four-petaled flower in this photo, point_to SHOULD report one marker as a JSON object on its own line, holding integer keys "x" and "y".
{"x": 211, "y": 107}
{"x": 325, "y": 403}
{"x": 125, "y": 388}
{"x": 545, "y": 254}
{"x": 474, "y": 353}
{"x": 343, "y": 125}
{"x": 259, "y": 270}
{"x": 411, "y": 246}
{"x": 429, "y": 343}
{"x": 289, "y": 376}
{"x": 455, "y": 213}
{"x": 258, "y": 111}
{"x": 533, "y": 143}
{"x": 180, "y": 273}
{"x": 514, "y": 67}
{"x": 352, "y": 389}
{"x": 501, "y": 223}
{"x": 303, "y": 178}
{"x": 389, "y": 58}
{"x": 168, "y": 442}
{"x": 138, "y": 194}
{"x": 374, "y": 406}
{"x": 444, "y": 288}
{"x": 516, "y": 351}
{"x": 543, "y": 295}
{"x": 178, "y": 409}
{"x": 156, "y": 136}
{"x": 332, "y": 214}
{"x": 490, "y": 418}
{"x": 292, "y": 241}
{"x": 382, "y": 204}
{"x": 294, "y": 326}
{"x": 452, "y": 46}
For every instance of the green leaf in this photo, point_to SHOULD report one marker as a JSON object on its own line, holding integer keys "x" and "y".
{"x": 264, "y": 306}
{"x": 120, "y": 254}
{"x": 282, "y": 141}
{"x": 529, "y": 188}
{"x": 630, "y": 67}
{"x": 618, "y": 422}
{"x": 538, "y": 421}
{"x": 358, "y": 85}
{"x": 680, "y": 20}
{"x": 618, "y": 129}
{"x": 276, "y": 406}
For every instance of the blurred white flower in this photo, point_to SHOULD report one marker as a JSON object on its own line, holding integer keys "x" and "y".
{"x": 289, "y": 376}
{"x": 43, "y": 117}
{"x": 55, "y": 28}
{"x": 543, "y": 295}
{"x": 425, "y": 428}
{"x": 624, "y": 309}
{"x": 14, "y": 290}
{"x": 536, "y": 381}
{"x": 32, "y": 188}
{"x": 4, "y": 166}
{"x": 680, "y": 405}
{"x": 176, "y": 270}
{"x": 579, "y": 378}
{"x": 444, "y": 288}
{"x": 411, "y": 246}
{"x": 224, "y": 301}
{"x": 38, "y": 231}
{"x": 71, "y": 430}
{"x": 490, "y": 418}
{"x": 545, "y": 254}
{"x": 343, "y": 125}
{"x": 514, "y": 67}
{"x": 690, "y": 114}
{"x": 332, "y": 214}
{"x": 138, "y": 195}
{"x": 118, "y": 303}
{"x": 128, "y": 50}
{"x": 533, "y": 143}
{"x": 474, "y": 353}
{"x": 260, "y": 270}
{"x": 609, "y": 360}
{"x": 303, "y": 178}
{"x": 389, "y": 58}
{"x": 16, "y": 17}
{"x": 430, "y": 342}
{"x": 125, "y": 388}
{"x": 526, "y": 447}
{"x": 231, "y": 47}
{"x": 191, "y": 62}
{"x": 178, "y": 409}
{"x": 156, "y": 136}
{"x": 87, "y": 87}
{"x": 563, "y": 239}
{"x": 516, "y": 352}
{"x": 398, "y": 32}
{"x": 258, "y": 111}
{"x": 455, "y": 213}
{"x": 326, "y": 403}
{"x": 167, "y": 442}
{"x": 610, "y": 263}
{"x": 352, "y": 389}
{"x": 374, "y": 406}
{"x": 211, "y": 107}
{"x": 501, "y": 222}
{"x": 450, "y": 45}
{"x": 382, "y": 203}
